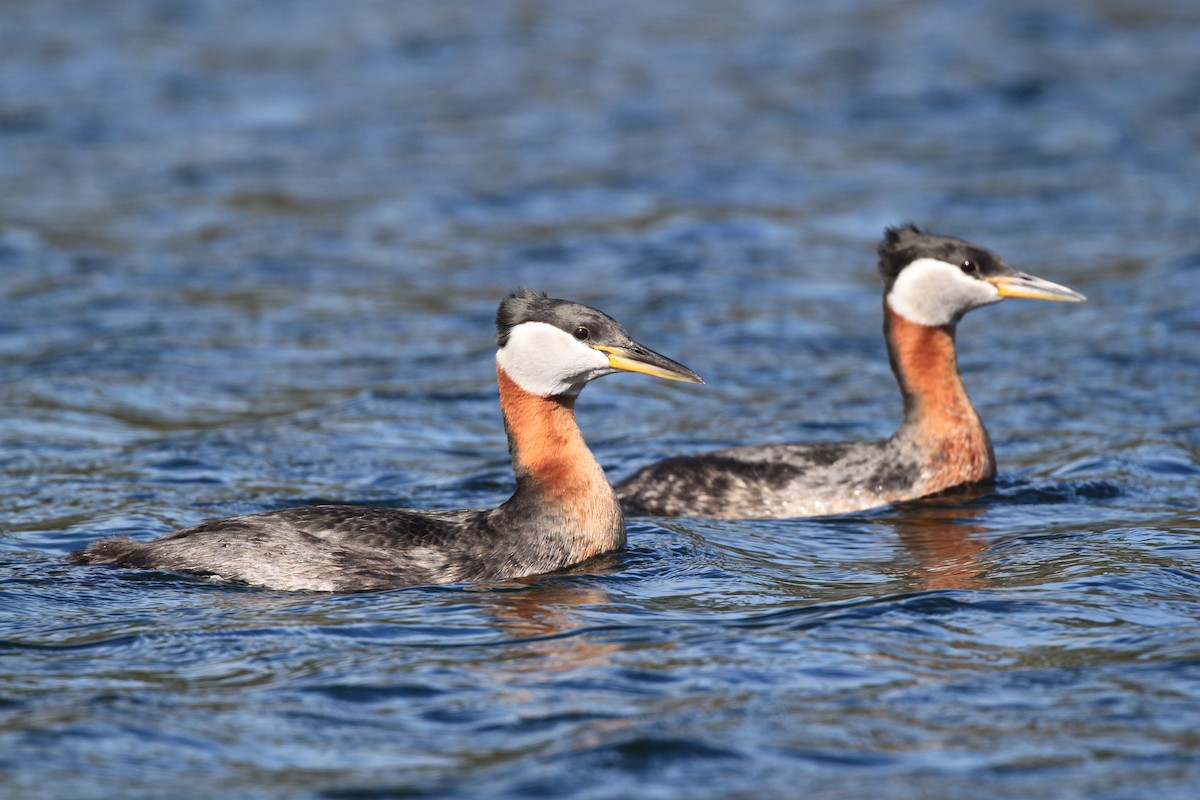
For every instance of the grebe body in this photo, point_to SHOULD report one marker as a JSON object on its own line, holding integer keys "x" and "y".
{"x": 563, "y": 511}
{"x": 930, "y": 282}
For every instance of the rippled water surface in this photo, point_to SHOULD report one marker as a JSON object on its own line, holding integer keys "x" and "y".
{"x": 249, "y": 258}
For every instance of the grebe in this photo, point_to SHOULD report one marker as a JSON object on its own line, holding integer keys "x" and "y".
{"x": 930, "y": 281}
{"x": 564, "y": 510}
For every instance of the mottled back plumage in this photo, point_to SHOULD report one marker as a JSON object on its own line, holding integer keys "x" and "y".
{"x": 562, "y": 512}
{"x": 930, "y": 281}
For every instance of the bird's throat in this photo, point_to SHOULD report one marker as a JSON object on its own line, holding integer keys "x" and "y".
{"x": 548, "y": 449}
{"x": 937, "y": 410}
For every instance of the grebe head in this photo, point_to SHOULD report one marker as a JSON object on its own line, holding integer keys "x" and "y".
{"x": 933, "y": 280}
{"x": 553, "y": 347}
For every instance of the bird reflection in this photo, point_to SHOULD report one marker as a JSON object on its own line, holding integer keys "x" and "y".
{"x": 946, "y": 543}
{"x": 541, "y": 617}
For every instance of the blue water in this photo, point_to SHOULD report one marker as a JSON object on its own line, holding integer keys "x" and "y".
{"x": 249, "y": 258}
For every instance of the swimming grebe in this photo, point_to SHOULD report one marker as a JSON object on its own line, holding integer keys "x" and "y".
{"x": 929, "y": 281}
{"x": 563, "y": 512}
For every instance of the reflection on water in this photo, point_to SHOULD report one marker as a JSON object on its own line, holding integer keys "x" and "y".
{"x": 944, "y": 537}
{"x": 540, "y": 622}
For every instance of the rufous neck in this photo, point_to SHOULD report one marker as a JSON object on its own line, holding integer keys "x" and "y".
{"x": 925, "y": 361}
{"x": 547, "y": 447}
{"x": 937, "y": 411}
{"x": 563, "y": 502}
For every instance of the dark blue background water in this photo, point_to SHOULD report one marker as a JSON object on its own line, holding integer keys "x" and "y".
{"x": 250, "y": 254}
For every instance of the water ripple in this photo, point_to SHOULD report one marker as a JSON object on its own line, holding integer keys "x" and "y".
{"x": 250, "y": 265}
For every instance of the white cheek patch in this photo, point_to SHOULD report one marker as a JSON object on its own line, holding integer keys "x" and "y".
{"x": 546, "y": 361}
{"x": 934, "y": 293}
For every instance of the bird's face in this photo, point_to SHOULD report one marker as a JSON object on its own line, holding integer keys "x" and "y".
{"x": 947, "y": 278}
{"x": 563, "y": 345}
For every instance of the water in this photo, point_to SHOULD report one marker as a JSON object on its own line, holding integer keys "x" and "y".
{"x": 250, "y": 258}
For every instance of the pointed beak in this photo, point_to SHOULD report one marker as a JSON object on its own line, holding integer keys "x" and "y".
{"x": 1033, "y": 288}
{"x": 635, "y": 358}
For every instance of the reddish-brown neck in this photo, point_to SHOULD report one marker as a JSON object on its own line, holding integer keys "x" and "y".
{"x": 547, "y": 446}
{"x": 936, "y": 405}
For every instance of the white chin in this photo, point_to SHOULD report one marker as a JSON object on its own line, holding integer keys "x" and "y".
{"x": 935, "y": 293}
{"x": 545, "y": 361}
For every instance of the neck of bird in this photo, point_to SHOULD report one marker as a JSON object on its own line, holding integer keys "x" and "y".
{"x": 938, "y": 413}
{"x": 559, "y": 481}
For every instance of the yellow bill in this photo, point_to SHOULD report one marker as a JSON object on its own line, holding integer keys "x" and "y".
{"x": 1033, "y": 288}
{"x": 636, "y": 358}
